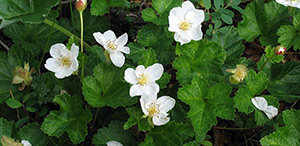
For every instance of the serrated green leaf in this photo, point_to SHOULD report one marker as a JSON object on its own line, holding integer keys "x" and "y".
{"x": 136, "y": 118}
{"x": 103, "y": 89}
{"x": 288, "y": 135}
{"x": 206, "y": 103}
{"x": 170, "y": 134}
{"x": 203, "y": 59}
{"x": 262, "y": 20}
{"x": 284, "y": 80}
{"x": 148, "y": 58}
{"x": 33, "y": 134}
{"x": 270, "y": 53}
{"x": 136, "y": 52}
{"x": 255, "y": 84}
{"x": 114, "y": 132}
{"x": 99, "y": 7}
{"x": 6, "y": 128}
{"x": 289, "y": 35}
{"x": 164, "y": 80}
{"x": 157, "y": 38}
{"x": 14, "y": 8}
{"x": 67, "y": 119}
{"x": 13, "y": 103}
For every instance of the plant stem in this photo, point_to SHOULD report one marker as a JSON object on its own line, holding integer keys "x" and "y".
{"x": 81, "y": 43}
{"x": 46, "y": 46}
{"x": 266, "y": 63}
{"x": 63, "y": 30}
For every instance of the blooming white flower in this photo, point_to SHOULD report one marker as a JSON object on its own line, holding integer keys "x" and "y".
{"x": 157, "y": 108}
{"x": 292, "y": 3}
{"x": 186, "y": 22}
{"x": 262, "y": 104}
{"x": 113, "y": 143}
{"x": 25, "y": 143}
{"x": 64, "y": 61}
{"x": 143, "y": 80}
{"x": 113, "y": 45}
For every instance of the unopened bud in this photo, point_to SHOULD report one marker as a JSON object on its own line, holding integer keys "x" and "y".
{"x": 80, "y": 5}
{"x": 280, "y": 50}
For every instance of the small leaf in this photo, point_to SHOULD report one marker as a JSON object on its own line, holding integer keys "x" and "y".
{"x": 136, "y": 118}
{"x": 99, "y": 7}
{"x": 148, "y": 58}
{"x": 207, "y": 3}
{"x": 13, "y": 103}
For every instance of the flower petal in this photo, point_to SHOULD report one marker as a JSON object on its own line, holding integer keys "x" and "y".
{"x": 195, "y": 16}
{"x": 74, "y": 50}
{"x": 17, "y": 80}
{"x": 155, "y": 71}
{"x": 25, "y": 143}
{"x": 139, "y": 70}
{"x": 123, "y": 49}
{"x": 130, "y": 76}
{"x": 117, "y": 58}
{"x": 151, "y": 89}
{"x": 187, "y": 5}
{"x": 144, "y": 100}
{"x": 161, "y": 119}
{"x": 109, "y": 35}
{"x": 166, "y": 102}
{"x": 271, "y": 111}
{"x": 195, "y": 33}
{"x": 74, "y": 65}
{"x": 260, "y": 103}
{"x": 113, "y": 143}
{"x": 136, "y": 90}
{"x": 55, "y": 50}
{"x": 64, "y": 72}
{"x": 52, "y": 65}
{"x": 99, "y": 38}
{"x": 182, "y": 37}
{"x": 122, "y": 40}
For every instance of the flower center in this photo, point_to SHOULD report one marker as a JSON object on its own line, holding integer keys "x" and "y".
{"x": 240, "y": 74}
{"x": 111, "y": 45}
{"x": 143, "y": 79}
{"x": 153, "y": 109}
{"x": 185, "y": 25}
{"x": 65, "y": 61}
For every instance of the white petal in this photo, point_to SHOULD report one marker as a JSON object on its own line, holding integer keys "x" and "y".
{"x": 125, "y": 50}
{"x": 25, "y": 143}
{"x": 187, "y": 5}
{"x": 195, "y": 16}
{"x": 122, "y": 40}
{"x": 143, "y": 101}
{"x": 139, "y": 70}
{"x": 74, "y": 50}
{"x": 174, "y": 19}
{"x": 182, "y": 37}
{"x": 260, "y": 103}
{"x": 155, "y": 71}
{"x": 109, "y": 35}
{"x": 166, "y": 103}
{"x": 52, "y": 65}
{"x": 136, "y": 90}
{"x": 151, "y": 88}
{"x": 130, "y": 76}
{"x": 271, "y": 111}
{"x": 55, "y": 50}
{"x": 74, "y": 65}
{"x": 99, "y": 38}
{"x": 65, "y": 52}
{"x": 64, "y": 72}
{"x": 117, "y": 58}
{"x": 161, "y": 119}
{"x": 113, "y": 143}
{"x": 195, "y": 33}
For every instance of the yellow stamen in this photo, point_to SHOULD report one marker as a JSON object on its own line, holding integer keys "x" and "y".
{"x": 65, "y": 61}
{"x": 185, "y": 25}
{"x": 143, "y": 79}
{"x": 111, "y": 45}
{"x": 153, "y": 109}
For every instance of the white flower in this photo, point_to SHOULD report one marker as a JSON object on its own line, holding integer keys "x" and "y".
{"x": 186, "y": 22}
{"x": 64, "y": 61}
{"x": 262, "y": 104}
{"x": 292, "y": 3}
{"x": 114, "y": 46}
{"x": 143, "y": 80}
{"x": 113, "y": 143}
{"x": 25, "y": 143}
{"x": 157, "y": 108}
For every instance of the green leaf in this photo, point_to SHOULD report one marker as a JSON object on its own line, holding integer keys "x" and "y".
{"x": 160, "y": 40}
{"x": 206, "y": 103}
{"x": 136, "y": 119}
{"x": 6, "y": 128}
{"x": 106, "y": 87}
{"x": 33, "y": 134}
{"x": 255, "y": 84}
{"x": 202, "y": 59}
{"x": 13, "y": 103}
{"x": 100, "y": 7}
{"x": 289, "y": 35}
{"x": 288, "y": 135}
{"x": 148, "y": 58}
{"x": 163, "y": 8}
{"x": 14, "y": 8}
{"x": 270, "y": 53}
{"x": 136, "y": 52}
{"x": 207, "y": 3}
{"x": 262, "y": 20}
{"x": 284, "y": 80}
{"x": 67, "y": 119}
{"x": 227, "y": 19}
{"x": 170, "y": 134}
{"x": 114, "y": 132}
{"x": 164, "y": 80}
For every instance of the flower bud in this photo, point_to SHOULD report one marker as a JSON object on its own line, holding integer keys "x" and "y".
{"x": 280, "y": 50}
{"x": 23, "y": 75}
{"x": 80, "y": 5}
{"x": 239, "y": 74}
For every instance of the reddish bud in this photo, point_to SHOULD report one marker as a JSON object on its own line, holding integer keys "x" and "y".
{"x": 280, "y": 50}
{"x": 80, "y": 5}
